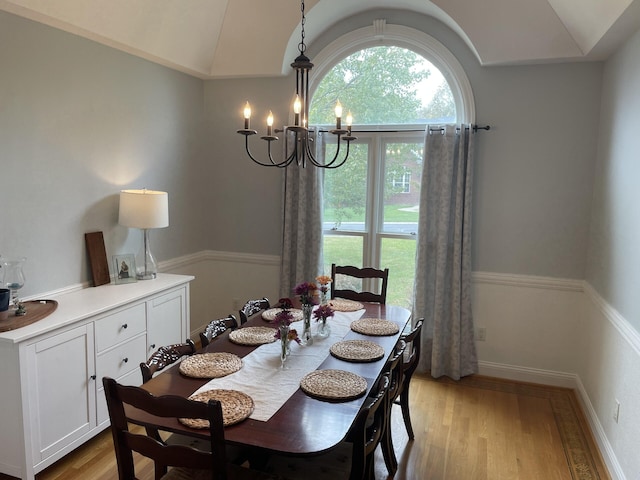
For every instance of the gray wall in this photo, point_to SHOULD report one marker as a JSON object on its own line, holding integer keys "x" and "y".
{"x": 79, "y": 122}
{"x": 614, "y": 253}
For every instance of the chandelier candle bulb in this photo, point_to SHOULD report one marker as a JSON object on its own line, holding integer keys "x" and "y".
{"x": 338, "y": 111}
{"x": 270, "y": 124}
{"x": 247, "y": 115}
{"x": 297, "y": 107}
{"x": 349, "y": 121}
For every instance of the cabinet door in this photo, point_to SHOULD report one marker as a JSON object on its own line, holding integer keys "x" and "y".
{"x": 166, "y": 320}
{"x": 61, "y": 390}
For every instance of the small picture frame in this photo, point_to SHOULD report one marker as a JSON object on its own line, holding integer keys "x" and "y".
{"x": 125, "y": 268}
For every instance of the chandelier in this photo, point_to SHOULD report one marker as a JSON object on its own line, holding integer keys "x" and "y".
{"x": 298, "y": 137}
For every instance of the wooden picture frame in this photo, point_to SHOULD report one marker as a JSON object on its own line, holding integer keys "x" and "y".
{"x": 124, "y": 268}
{"x": 97, "y": 258}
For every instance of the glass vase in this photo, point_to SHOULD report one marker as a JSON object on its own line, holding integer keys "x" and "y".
{"x": 13, "y": 279}
{"x": 307, "y": 338}
{"x": 324, "y": 329}
{"x": 324, "y": 296}
{"x": 284, "y": 345}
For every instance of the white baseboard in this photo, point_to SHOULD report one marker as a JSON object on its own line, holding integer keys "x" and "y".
{"x": 609, "y": 456}
{"x": 526, "y": 374}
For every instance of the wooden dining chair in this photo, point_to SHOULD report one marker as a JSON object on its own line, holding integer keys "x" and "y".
{"x": 252, "y": 307}
{"x": 217, "y": 327}
{"x": 352, "y": 458}
{"x": 165, "y": 356}
{"x": 409, "y": 365}
{"x": 351, "y": 281}
{"x": 187, "y": 462}
{"x": 394, "y": 370}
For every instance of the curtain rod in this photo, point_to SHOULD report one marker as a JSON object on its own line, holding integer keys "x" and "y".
{"x": 475, "y": 128}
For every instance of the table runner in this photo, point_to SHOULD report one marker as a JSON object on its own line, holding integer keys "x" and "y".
{"x": 270, "y": 386}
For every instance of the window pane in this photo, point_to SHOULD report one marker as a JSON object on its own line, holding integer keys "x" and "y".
{"x": 403, "y": 170}
{"x": 342, "y": 250}
{"x": 345, "y": 191}
{"x": 398, "y": 255}
{"x": 384, "y": 85}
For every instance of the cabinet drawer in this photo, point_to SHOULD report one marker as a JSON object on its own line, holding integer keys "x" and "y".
{"x": 122, "y": 359}
{"x": 120, "y": 326}
{"x": 131, "y": 378}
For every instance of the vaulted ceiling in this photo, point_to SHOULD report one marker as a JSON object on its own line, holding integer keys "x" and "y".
{"x": 234, "y": 38}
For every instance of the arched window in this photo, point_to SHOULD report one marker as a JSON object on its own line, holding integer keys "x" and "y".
{"x": 394, "y": 80}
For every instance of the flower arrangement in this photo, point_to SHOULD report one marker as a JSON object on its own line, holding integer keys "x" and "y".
{"x": 323, "y": 281}
{"x": 322, "y": 313}
{"x": 284, "y": 332}
{"x": 306, "y": 291}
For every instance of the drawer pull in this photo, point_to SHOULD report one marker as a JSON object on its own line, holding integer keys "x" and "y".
{"x": 125, "y": 326}
{"x": 125, "y": 359}
{"x": 93, "y": 377}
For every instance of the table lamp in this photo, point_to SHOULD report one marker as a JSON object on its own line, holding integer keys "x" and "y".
{"x": 144, "y": 209}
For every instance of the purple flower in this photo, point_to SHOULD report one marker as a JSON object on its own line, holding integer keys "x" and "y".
{"x": 282, "y": 318}
{"x": 323, "y": 312}
{"x": 306, "y": 292}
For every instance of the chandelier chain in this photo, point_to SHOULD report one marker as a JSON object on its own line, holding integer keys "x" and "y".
{"x": 301, "y": 46}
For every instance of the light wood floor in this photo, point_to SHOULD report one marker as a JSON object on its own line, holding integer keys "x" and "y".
{"x": 476, "y": 429}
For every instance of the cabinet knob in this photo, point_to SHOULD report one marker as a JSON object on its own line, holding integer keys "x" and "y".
{"x": 153, "y": 345}
{"x": 125, "y": 359}
{"x": 93, "y": 377}
{"x": 125, "y": 326}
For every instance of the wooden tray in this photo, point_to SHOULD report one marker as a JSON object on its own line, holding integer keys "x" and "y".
{"x": 36, "y": 310}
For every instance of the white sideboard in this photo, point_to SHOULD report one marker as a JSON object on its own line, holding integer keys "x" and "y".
{"x": 51, "y": 395}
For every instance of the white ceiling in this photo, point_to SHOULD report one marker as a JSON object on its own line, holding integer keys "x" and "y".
{"x": 233, "y": 38}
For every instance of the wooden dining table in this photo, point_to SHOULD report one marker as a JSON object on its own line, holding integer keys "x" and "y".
{"x": 303, "y": 425}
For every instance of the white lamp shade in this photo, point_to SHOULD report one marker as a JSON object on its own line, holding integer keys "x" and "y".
{"x": 144, "y": 209}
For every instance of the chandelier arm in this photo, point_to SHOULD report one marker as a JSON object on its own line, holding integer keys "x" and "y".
{"x": 333, "y": 160}
{"x": 282, "y": 164}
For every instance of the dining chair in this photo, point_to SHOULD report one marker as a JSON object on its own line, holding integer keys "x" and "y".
{"x": 409, "y": 364}
{"x": 351, "y": 279}
{"x": 187, "y": 462}
{"x": 394, "y": 370}
{"x": 217, "y": 327}
{"x": 252, "y": 307}
{"x": 165, "y": 356}
{"x": 353, "y": 458}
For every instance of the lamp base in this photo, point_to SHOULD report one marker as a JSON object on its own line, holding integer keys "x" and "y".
{"x": 146, "y": 268}
{"x": 146, "y": 275}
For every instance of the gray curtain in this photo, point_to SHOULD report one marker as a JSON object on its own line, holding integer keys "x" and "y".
{"x": 302, "y": 226}
{"x": 443, "y": 254}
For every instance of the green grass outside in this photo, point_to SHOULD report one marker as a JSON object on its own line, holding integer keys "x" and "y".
{"x": 397, "y": 254}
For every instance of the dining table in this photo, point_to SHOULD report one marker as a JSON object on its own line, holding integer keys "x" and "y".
{"x": 293, "y": 422}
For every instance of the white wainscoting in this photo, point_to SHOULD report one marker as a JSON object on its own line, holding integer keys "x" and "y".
{"x": 561, "y": 332}
{"x": 543, "y": 330}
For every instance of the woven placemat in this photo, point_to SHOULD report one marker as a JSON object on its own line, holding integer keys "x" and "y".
{"x": 333, "y": 385}
{"x": 236, "y": 406}
{"x": 357, "y": 351}
{"x": 374, "y": 326}
{"x": 210, "y": 365}
{"x": 344, "y": 305}
{"x": 252, "y": 335}
{"x": 270, "y": 314}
